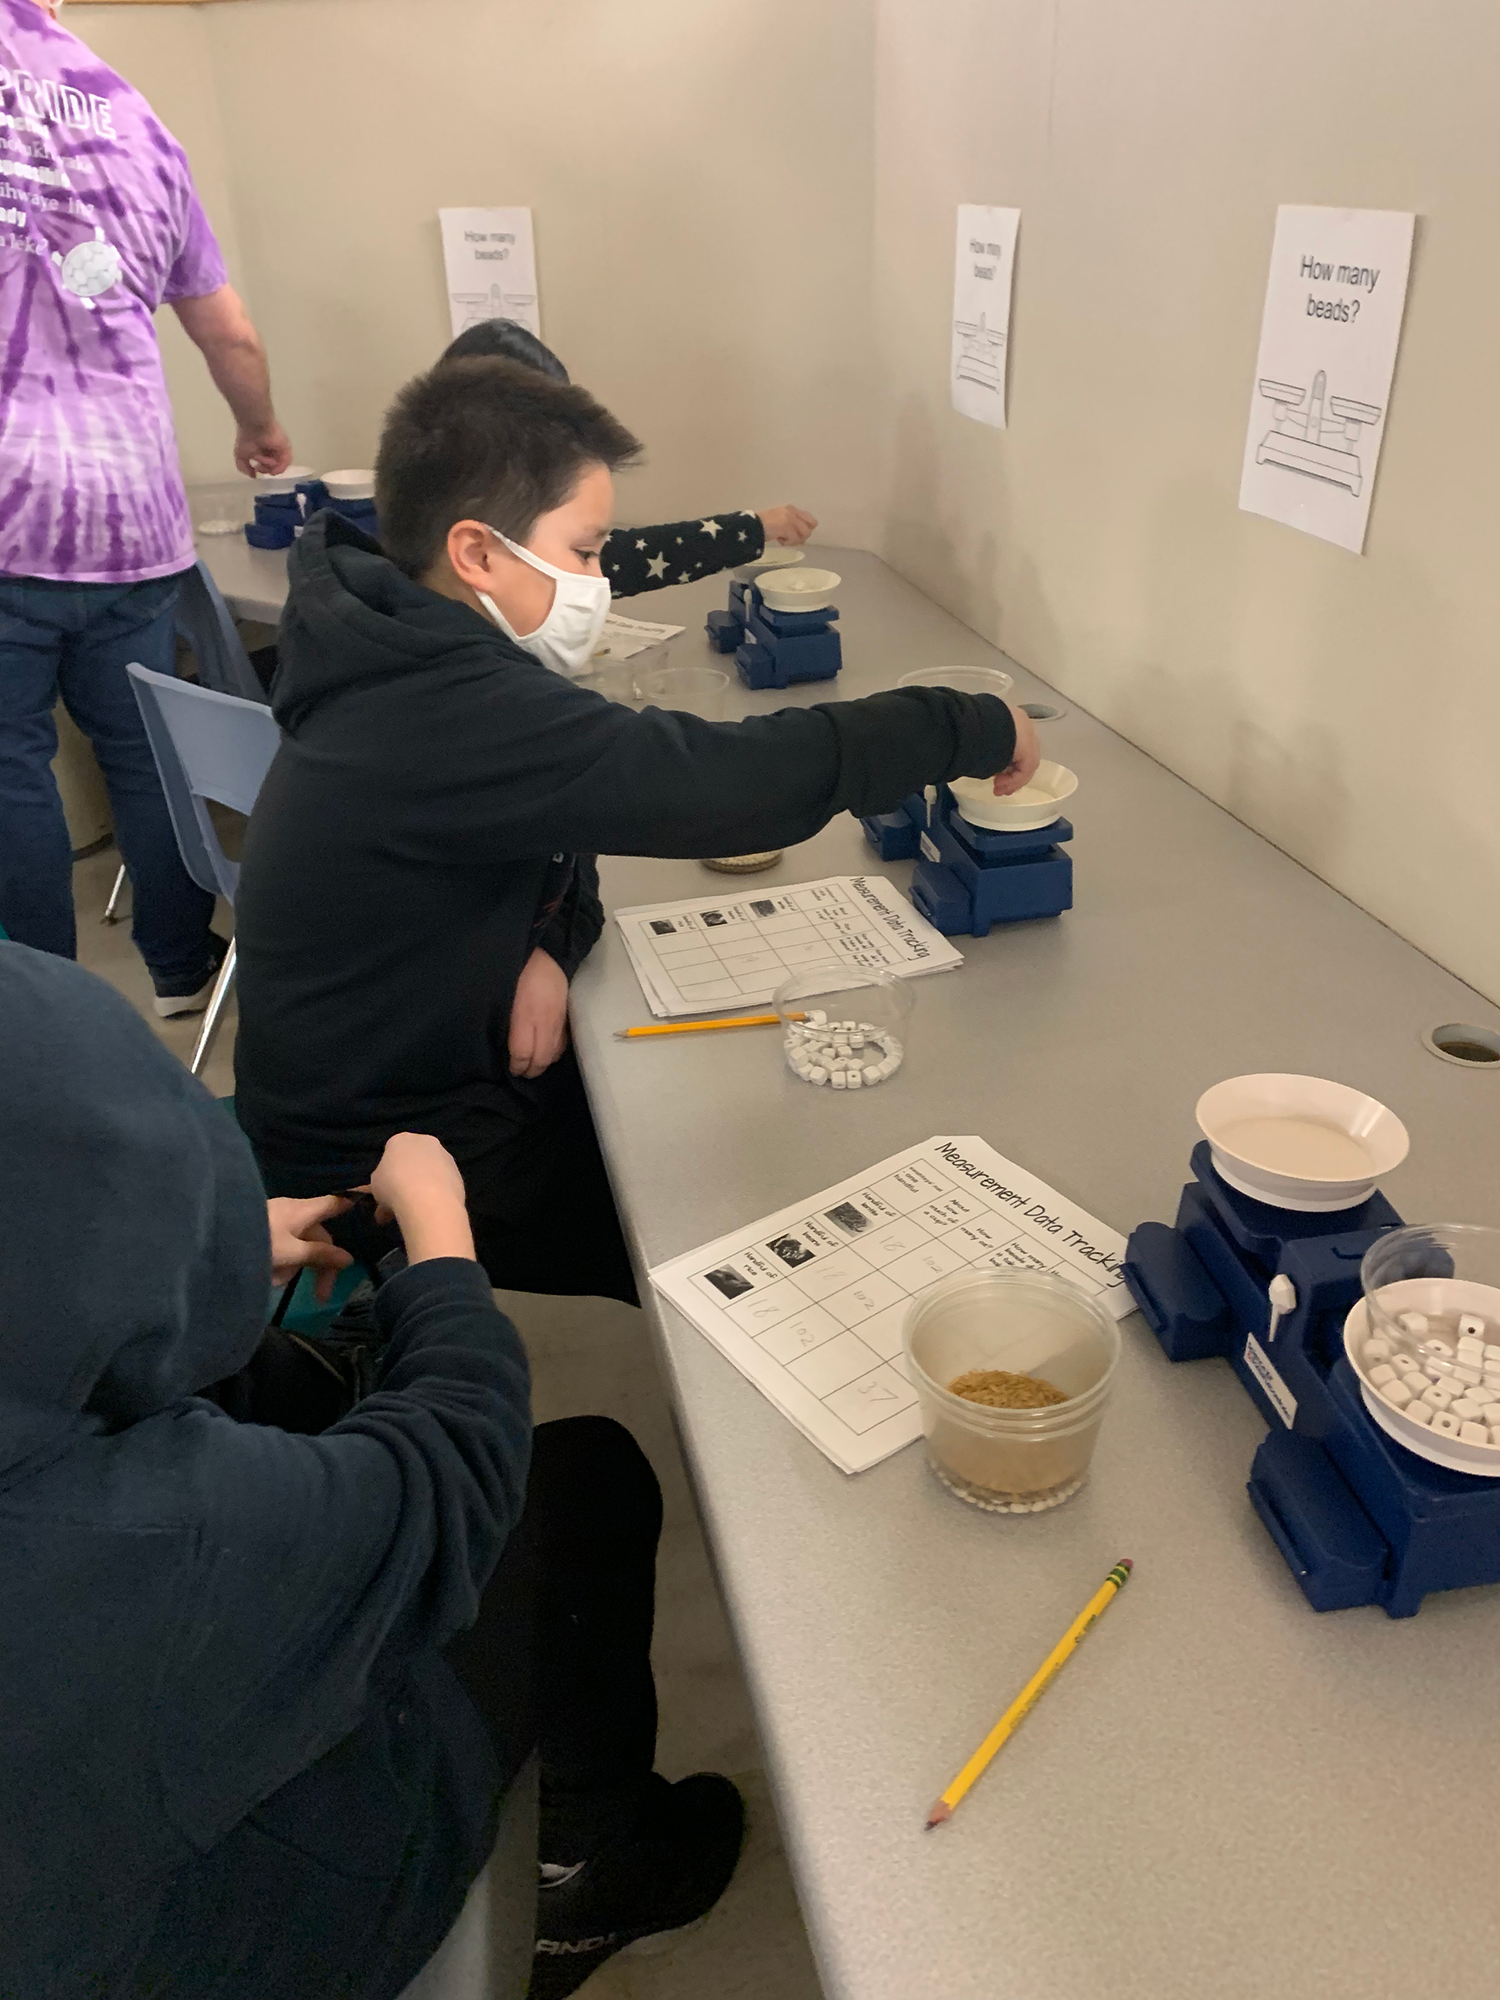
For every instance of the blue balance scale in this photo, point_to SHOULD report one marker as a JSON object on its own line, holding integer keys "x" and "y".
{"x": 968, "y": 877}
{"x": 1358, "y": 1517}
{"x": 775, "y": 649}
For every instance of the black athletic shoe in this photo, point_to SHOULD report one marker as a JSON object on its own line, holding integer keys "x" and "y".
{"x": 169, "y": 1005}
{"x": 665, "y": 1874}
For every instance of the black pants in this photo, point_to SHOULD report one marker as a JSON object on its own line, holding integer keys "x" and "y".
{"x": 559, "y": 1658}
{"x": 543, "y": 1215}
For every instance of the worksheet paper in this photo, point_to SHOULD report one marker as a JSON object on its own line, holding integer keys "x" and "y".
{"x": 1328, "y": 340}
{"x": 623, "y": 638}
{"x": 723, "y": 952}
{"x": 809, "y": 1303}
{"x": 985, "y": 264}
{"x": 491, "y": 266}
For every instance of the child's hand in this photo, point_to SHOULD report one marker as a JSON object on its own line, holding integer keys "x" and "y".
{"x": 1022, "y": 766}
{"x": 418, "y": 1184}
{"x": 538, "y": 1015}
{"x": 788, "y": 525}
{"x": 300, "y": 1242}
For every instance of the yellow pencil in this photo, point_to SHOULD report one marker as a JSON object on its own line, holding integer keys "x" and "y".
{"x": 1103, "y": 1597}
{"x": 696, "y": 1027}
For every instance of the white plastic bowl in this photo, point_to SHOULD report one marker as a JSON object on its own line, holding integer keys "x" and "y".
{"x": 283, "y": 482}
{"x": 774, "y": 557}
{"x": 806, "y": 590}
{"x": 1300, "y": 1142}
{"x": 350, "y": 485}
{"x": 1482, "y": 1459}
{"x": 1037, "y": 804}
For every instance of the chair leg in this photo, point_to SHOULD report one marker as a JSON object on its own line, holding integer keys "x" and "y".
{"x": 213, "y": 1012}
{"x": 112, "y": 906}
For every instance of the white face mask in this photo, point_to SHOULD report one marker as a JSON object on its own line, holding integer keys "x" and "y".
{"x": 566, "y": 638}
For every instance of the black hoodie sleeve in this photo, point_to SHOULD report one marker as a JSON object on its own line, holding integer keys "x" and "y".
{"x": 326, "y": 1564}
{"x": 526, "y": 763}
{"x": 571, "y": 928}
{"x": 640, "y": 559}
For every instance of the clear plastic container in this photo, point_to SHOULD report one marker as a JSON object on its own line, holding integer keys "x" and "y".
{"x": 1028, "y": 1323}
{"x": 968, "y": 680}
{"x": 701, "y": 691}
{"x": 1421, "y": 1282}
{"x": 844, "y": 1029}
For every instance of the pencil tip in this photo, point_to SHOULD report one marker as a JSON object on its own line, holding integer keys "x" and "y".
{"x": 939, "y": 1813}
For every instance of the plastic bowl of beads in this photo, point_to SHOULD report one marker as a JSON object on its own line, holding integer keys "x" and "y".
{"x": 805, "y": 590}
{"x": 350, "y": 484}
{"x": 843, "y": 1029}
{"x": 774, "y": 556}
{"x": 1300, "y": 1142}
{"x": 267, "y": 483}
{"x": 1013, "y": 1370}
{"x": 1424, "y": 1342}
{"x": 968, "y": 680}
{"x": 1038, "y": 803}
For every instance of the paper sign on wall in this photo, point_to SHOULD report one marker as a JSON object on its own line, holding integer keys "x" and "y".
{"x": 491, "y": 266}
{"x": 1334, "y": 302}
{"x": 983, "y": 269}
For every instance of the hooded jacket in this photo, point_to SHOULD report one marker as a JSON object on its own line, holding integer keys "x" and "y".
{"x": 415, "y": 837}
{"x": 232, "y": 1762}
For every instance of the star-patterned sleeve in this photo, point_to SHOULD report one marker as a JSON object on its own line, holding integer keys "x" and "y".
{"x": 641, "y": 559}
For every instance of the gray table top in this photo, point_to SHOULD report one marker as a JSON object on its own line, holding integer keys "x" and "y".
{"x": 1207, "y": 1801}
{"x": 1225, "y": 1793}
{"x": 252, "y": 581}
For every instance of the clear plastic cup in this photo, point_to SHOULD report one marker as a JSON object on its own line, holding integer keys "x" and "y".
{"x": 1431, "y": 1284}
{"x": 968, "y": 680}
{"x": 701, "y": 691}
{"x": 843, "y": 1029}
{"x": 1028, "y": 1323}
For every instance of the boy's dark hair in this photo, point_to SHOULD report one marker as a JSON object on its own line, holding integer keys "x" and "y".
{"x": 508, "y": 340}
{"x": 485, "y": 440}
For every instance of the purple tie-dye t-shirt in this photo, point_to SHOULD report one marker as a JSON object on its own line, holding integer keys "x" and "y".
{"x": 99, "y": 224}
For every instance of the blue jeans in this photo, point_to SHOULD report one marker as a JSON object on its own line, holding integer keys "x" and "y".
{"x": 76, "y": 638}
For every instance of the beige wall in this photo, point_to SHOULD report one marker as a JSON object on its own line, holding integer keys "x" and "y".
{"x": 702, "y": 214}
{"x": 1348, "y": 707}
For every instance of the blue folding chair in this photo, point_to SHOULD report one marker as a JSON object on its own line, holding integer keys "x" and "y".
{"x": 207, "y": 746}
{"x": 203, "y": 619}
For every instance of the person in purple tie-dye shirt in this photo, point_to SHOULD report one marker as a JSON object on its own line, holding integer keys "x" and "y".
{"x": 99, "y": 225}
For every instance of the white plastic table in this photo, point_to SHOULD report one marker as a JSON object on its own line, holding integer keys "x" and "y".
{"x": 1225, "y": 1793}
{"x": 252, "y": 582}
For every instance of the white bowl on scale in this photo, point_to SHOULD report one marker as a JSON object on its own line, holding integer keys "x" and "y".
{"x": 1038, "y": 803}
{"x": 1300, "y": 1142}
{"x": 773, "y": 556}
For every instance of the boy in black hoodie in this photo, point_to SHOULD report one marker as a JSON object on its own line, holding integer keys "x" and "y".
{"x": 418, "y": 881}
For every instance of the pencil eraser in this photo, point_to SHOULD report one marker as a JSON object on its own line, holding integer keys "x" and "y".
{"x": 1470, "y": 1327}
{"x": 1420, "y": 1412}
{"x": 1444, "y": 1424}
{"x": 1382, "y": 1373}
{"x": 1396, "y": 1394}
{"x": 1474, "y": 1434}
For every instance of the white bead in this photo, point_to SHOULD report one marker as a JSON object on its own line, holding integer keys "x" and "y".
{"x": 1466, "y": 1409}
{"x": 836, "y": 1078}
{"x": 1396, "y": 1394}
{"x": 1420, "y": 1412}
{"x": 816, "y": 1073}
{"x": 817, "y": 1016}
{"x": 1491, "y": 1413}
{"x": 1409, "y": 1366}
{"x": 1444, "y": 1424}
{"x": 1472, "y": 1433}
{"x": 1382, "y": 1373}
{"x": 853, "y": 1080}
{"x": 1471, "y": 1352}
{"x": 1470, "y": 1326}
{"x": 1416, "y": 1326}
{"x": 1438, "y": 1368}
{"x": 1438, "y": 1397}
{"x": 1378, "y": 1348}
{"x": 873, "y": 1073}
{"x": 1495, "y": 1435}
{"x": 1493, "y": 1354}
{"x": 1470, "y": 1377}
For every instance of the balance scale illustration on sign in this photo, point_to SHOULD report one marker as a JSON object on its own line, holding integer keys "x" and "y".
{"x": 982, "y": 358}
{"x": 1298, "y": 439}
{"x": 493, "y": 304}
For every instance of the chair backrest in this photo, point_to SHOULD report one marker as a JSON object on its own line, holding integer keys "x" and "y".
{"x": 206, "y": 746}
{"x": 202, "y": 617}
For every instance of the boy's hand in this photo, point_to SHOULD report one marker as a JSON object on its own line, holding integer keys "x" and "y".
{"x": 787, "y": 524}
{"x": 538, "y": 1015}
{"x": 300, "y": 1242}
{"x": 1022, "y": 766}
{"x": 418, "y": 1184}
